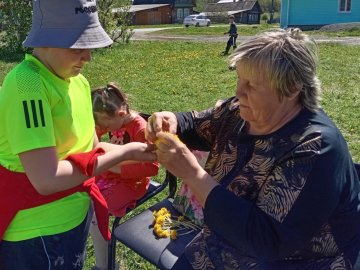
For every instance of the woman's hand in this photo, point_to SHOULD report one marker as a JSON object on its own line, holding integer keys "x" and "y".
{"x": 181, "y": 162}
{"x": 158, "y": 122}
{"x": 176, "y": 157}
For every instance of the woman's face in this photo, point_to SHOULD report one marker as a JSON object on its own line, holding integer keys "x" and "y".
{"x": 65, "y": 63}
{"x": 259, "y": 104}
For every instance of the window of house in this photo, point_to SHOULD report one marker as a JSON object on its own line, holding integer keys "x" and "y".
{"x": 180, "y": 13}
{"x": 186, "y": 12}
{"x": 345, "y": 5}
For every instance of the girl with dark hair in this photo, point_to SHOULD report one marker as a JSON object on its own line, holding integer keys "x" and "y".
{"x": 125, "y": 183}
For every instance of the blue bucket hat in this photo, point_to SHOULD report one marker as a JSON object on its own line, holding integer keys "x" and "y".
{"x": 66, "y": 24}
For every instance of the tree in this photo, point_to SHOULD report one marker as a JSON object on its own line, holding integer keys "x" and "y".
{"x": 200, "y": 5}
{"x": 116, "y": 21}
{"x": 268, "y": 5}
{"x": 16, "y": 18}
{"x": 264, "y": 17}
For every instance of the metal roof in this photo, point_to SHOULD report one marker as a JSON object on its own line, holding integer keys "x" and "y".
{"x": 219, "y": 13}
{"x": 233, "y": 6}
{"x": 135, "y": 8}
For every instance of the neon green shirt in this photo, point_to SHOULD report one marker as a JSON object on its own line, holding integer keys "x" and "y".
{"x": 37, "y": 110}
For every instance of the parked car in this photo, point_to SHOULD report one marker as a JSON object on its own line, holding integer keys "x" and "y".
{"x": 196, "y": 20}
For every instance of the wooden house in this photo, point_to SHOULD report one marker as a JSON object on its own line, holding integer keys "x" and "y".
{"x": 310, "y": 14}
{"x": 170, "y": 11}
{"x": 244, "y": 11}
{"x": 151, "y": 14}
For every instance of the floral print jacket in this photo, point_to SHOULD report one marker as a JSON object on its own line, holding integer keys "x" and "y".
{"x": 287, "y": 200}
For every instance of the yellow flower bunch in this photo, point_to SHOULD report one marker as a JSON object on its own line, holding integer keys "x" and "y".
{"x": 161, "y": 140}
{"x": 166, "y": 225}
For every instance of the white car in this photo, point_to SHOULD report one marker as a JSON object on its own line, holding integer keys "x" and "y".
{"x": 196, "y": 20}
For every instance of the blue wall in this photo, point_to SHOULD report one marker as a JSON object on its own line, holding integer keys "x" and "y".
{"x": 316, "y": 12}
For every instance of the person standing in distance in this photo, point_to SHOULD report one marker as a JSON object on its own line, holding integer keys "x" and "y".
{"x": 232, "y": 36}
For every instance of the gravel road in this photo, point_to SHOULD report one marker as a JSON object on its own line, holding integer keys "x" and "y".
{"x": 150, "y": 34}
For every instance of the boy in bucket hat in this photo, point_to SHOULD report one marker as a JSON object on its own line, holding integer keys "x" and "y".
{"x": 66, "y": 24}
{"x": 49, "y": 152}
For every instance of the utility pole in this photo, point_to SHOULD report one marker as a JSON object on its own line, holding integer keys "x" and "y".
{"x": 272, "y": 11}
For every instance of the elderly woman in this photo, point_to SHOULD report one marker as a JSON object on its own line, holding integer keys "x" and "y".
{"x": 279, "y": 189}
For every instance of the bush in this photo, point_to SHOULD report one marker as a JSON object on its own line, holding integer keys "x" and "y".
{"x": 16, "y": 19}
{"x": 116, "y": 21}
{"x": 264, "y": 17}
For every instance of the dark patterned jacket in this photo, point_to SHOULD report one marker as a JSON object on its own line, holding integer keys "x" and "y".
{"x": 287, "y": 200}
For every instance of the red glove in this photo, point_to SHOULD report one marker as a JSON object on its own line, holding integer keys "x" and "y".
{"x": 86, "y": 163}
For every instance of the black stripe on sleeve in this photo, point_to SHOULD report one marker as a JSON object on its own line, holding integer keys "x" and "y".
{"x": 42, "y": 117}
{"x": 26, "y": 113}
{"x": 33, "y": 108}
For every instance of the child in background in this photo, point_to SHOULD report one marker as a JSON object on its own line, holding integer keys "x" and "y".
{"x": 232, "y": 35}
{"x": 127, "y": 182}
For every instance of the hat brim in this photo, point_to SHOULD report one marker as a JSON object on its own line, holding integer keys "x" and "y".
{"x": 88, "y": 38}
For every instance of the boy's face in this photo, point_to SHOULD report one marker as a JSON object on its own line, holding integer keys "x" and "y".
{"x": 65, "y": 63}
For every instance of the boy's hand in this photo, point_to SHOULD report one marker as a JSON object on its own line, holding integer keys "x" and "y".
{"x": 139, "y": 151}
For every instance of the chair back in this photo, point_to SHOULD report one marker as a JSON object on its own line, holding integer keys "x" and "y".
{"x": 357, "y": 167}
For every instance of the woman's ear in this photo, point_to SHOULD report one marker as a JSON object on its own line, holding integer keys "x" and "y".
{"x": 296, "y": 89}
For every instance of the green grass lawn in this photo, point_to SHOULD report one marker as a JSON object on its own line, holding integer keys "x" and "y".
{"x": 351, "y": 32}
{"x": 180, "y": 76}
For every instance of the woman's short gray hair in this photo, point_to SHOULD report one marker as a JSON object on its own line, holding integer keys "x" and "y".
{"x": 289, "y": 58}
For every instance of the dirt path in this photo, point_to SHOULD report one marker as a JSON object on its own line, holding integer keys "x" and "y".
{"x": 150, "y": 34}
